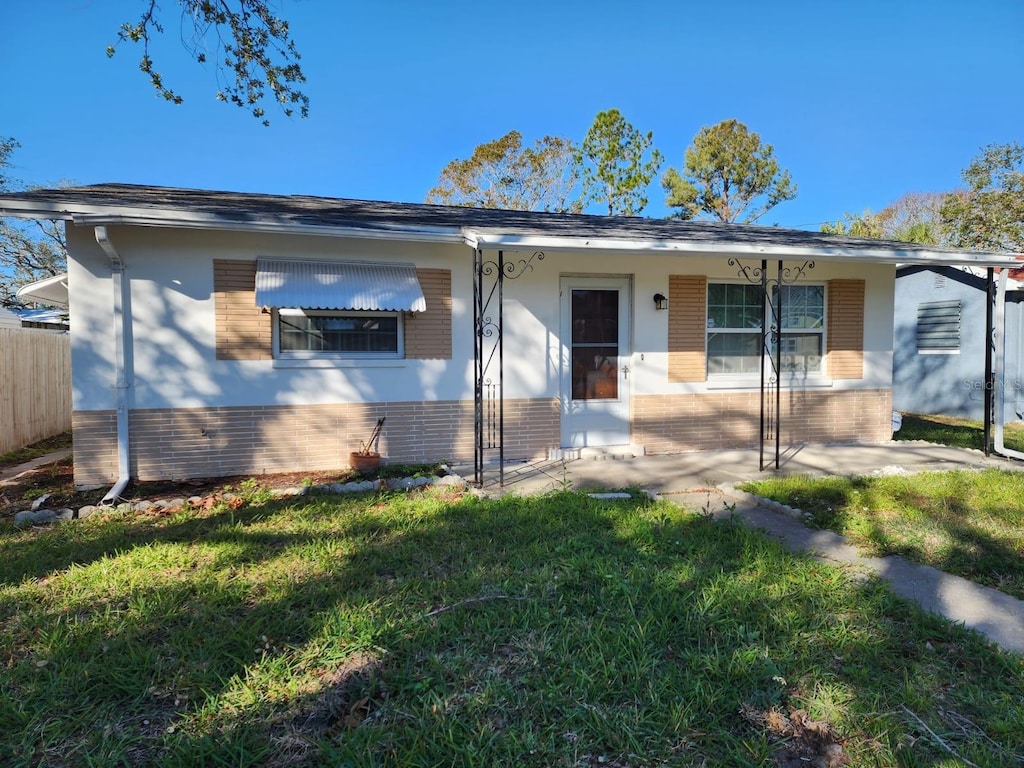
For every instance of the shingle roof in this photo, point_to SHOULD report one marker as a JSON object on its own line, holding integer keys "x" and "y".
{"x": 117, "y": 200}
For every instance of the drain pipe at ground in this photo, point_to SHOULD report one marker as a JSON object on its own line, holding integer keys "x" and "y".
{"x": 1000, "y": 358}
{"x": 122, "y": 355}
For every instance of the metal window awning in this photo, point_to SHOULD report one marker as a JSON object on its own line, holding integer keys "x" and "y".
{"x": 338, "y": 285}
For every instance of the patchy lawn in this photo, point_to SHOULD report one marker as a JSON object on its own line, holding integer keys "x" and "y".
{"x": 967, "y": 523}
{"x": 428, "y": 629}
{"x": 960, "y": 433}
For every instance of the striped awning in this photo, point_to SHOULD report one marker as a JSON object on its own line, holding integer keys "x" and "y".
{"x": 338, "y": 285}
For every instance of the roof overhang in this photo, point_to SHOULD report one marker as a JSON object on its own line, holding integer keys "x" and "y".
{"x": 52, "y": 291}
{"x": 476, "y": 229}
{"x": 727, "y": 248}
{"x": 127, "y": 216}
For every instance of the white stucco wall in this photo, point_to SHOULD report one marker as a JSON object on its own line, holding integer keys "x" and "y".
{"x": 170, "y": 275}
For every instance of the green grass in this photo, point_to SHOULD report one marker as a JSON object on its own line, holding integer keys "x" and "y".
{"x": 34, "y": 451}
{"x": 960, "y": 433}
{"x": 966, "y": 523}
{"x": 431, "y": 629}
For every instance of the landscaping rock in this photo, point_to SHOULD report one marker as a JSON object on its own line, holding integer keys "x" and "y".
{"x": 451, "y": 481}
{"x": 40, "y": 501}
{"x": 195, "y": 501}
{"x": 144, "y": 506}
{"x": 44, "y": 516}
{"x": 65, "y": 515}
{"x": 23, "y": 518}
{"x": 87, "y": 511}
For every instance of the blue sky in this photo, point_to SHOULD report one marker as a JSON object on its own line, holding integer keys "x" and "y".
{"x": 863, "y": 101}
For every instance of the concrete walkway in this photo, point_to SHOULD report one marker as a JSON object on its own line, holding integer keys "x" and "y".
{"x": 9, "y": 473}
{"x": 698, "y": 480}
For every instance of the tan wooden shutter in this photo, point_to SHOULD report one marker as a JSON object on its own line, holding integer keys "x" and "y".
{"x": 687, "y": 327}
{"x": 845, "y": 356}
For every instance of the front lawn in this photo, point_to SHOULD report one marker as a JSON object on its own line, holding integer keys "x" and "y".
{"x": 434, "y": 629}
{"x": 966, "y": 523}
{"x": 960, "y": 433}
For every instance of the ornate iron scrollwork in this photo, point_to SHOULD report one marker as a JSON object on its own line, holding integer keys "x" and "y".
{"x": 489, "y": 276}
{"x": 751, "y": 274}
{"x": 772, "y": 332}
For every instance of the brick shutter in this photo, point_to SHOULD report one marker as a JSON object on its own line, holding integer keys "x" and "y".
{"x": 845, "y": 356}
{"x": 428, "y": 335}
{"x": 687, "y": 324}
{"x": 243, "y": 329}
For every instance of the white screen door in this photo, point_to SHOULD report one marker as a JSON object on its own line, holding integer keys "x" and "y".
{"x": 595, "y": 361}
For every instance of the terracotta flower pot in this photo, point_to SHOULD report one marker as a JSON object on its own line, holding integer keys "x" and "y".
{"x": 364, "y": 463}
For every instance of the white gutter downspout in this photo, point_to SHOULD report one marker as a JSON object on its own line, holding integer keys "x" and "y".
{"x": 1000, "y": 357}
{"x": 122, "y": 355}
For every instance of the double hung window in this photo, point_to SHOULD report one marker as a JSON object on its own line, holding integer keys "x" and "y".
{"x": 736, "y": 322}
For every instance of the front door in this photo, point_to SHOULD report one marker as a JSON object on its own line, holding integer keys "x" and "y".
{"x": 595, "y": 361}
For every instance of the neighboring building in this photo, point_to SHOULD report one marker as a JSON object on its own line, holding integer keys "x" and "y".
{"x": 218, "y": 333}
{"x": 8, "y": 319}
{"x": 939, "y": 343}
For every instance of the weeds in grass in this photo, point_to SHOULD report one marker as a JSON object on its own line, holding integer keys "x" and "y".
{"x": 429, "y": 629}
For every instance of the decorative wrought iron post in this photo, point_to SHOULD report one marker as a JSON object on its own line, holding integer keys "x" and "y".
{"x": 488, "y": 350}
{"x": 771, "y": 342}
{"x": 990, "y": 378}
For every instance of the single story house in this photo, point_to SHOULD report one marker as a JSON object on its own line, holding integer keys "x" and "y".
{"x": 217, "y": 333}
{"x": 939, "y": 342}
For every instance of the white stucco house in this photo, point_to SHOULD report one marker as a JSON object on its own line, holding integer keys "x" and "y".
{"x": 217, "y": 333}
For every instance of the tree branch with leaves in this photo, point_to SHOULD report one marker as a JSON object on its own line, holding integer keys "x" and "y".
{"x": 503, "y": 174}
{"x": 29, "y": 250}
{"x": 989, "y": 214}
{"x": 615, "y": 172}
{"x": 243, "y": 37}
{"x": 728, "y": 175}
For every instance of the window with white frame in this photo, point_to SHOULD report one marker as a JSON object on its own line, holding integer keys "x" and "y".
{"x": 735, "y": 328}
{"x": 802, "y": 344}
{"x": 304, "y": 333}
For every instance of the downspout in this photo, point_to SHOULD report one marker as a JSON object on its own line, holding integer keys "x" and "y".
{"x": 122, "y": 354}
{"x": 1000, "y": 358}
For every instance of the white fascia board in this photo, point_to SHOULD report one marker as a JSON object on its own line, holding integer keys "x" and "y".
{"x": 726, "y": 248}
{"x": 267, "y": 226}
{"x": 23, "y": 209}
{"x": 93, "y": 215}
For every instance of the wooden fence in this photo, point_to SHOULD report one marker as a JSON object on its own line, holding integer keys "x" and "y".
{"x": 35, "y": 386}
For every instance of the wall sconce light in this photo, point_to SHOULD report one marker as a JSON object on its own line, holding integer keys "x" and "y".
{"x": 660, "y": 302}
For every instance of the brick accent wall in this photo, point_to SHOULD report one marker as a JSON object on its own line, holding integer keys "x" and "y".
{"x": 428, "y": 335}
{"x": 689, "y": 422}
{"x": 210, "y": 442}
{"x": 845, "y": 354}
{"x": 94, "y": 448}
{"x": 243, "y": 330}
{"x": 687, "y": 313}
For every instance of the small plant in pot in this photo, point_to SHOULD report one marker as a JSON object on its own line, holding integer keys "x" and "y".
{"x": 367, "y": 458}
